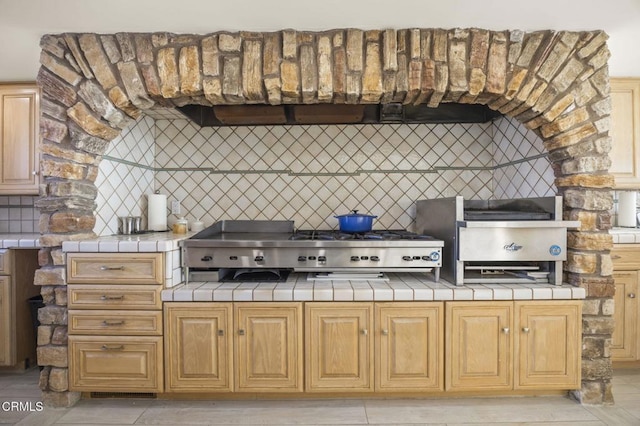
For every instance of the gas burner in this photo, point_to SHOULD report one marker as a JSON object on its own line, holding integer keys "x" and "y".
{"x": 376, "y": 235}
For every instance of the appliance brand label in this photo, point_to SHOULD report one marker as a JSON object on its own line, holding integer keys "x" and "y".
{"x": 512, "y": 247}
{"x": 555, "y": 250}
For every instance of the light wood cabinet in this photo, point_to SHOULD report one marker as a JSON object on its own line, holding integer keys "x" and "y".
{"x": 199, "y": 344}
{"x": 409, "y": 352}
{"x": 479, "y": 347}
{"x": 624, "y": 341}
{"x": 339, "y": 346}
{"x": 5, "y": 320}
{"x": 548, "y": 344}
{"x": 116, "y": 363}
{"x": 17, "y": 334}
{"x": 486, "y": 352}
{"x": 268, "y": 347}
{"x": 625, "y": 132}
{"x": 19, "y": 139}
{"x": 115, "y": 322}
{"x": 241, "y": 347}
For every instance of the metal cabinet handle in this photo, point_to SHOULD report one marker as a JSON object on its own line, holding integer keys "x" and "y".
{"x": 525, "y": 329}
{"x": 365, "y": 332}
{"x": 385, "y": 332}
{"x": 34, "y": 173}
{"x": 220, "y": 332}
{"x": 111, "y": 268}
{"x": 632, "y": 295}
{"x": 105, "y": 297}
{"x": 112, "y": 348}
{"x": 112, "y": 323}
{"x": 505, "y": 330}
{"x": 241, "y": 332}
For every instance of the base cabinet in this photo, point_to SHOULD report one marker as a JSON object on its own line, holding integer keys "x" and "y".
{"x": 198, "y": 346}
{"x": 243, "y": 347}
{"x": 625, "y": 341}
{"x": 339, "y": 345}
{"x": 5, "y": 320}
{"x": 408, "y": 354}
{"x": 116, "y": 363}
{"x": 513, "y": 345}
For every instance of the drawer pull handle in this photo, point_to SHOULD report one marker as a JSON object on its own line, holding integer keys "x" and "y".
{"x": 241, "y": 332}
{"x": 112, "y": 323}
{"x": 365, "y": 332}
{"x": 112, "y": 348}
{"x": 111, "y": 268}
{"x": 505, "y": 330}
{"x": 632, "y": 295}
{"x": 385, "y": 332}
{"x": 105, "y": 297}
{"x": 525, "y": 329}
{"x": 220, "y": 333}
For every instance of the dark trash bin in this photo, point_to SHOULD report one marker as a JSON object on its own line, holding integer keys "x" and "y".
{"x": 35, "y": 303}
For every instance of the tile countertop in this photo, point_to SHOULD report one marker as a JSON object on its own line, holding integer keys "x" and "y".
{"x": 625, "y": 235}
{"x": 19, "y": 241}
{"x": 149, "y": 242}
{"x": 400, "y": 287}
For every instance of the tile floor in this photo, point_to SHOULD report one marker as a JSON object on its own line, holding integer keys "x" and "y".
{"x": 555, "y": 411}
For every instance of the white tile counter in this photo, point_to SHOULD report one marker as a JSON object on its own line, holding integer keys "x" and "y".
{"x": 625, "y": 235}
{"x": 19, "y": 241}
{"x": 149, "y": 242}
{"x": 400, "y": 287}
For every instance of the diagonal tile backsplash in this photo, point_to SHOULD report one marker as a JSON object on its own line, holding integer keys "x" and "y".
{"x": 311, "y": 173}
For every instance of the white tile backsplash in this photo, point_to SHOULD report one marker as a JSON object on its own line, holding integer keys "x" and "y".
{"x": 310, "y": 173}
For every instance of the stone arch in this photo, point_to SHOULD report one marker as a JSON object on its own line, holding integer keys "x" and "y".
{"x": 556, "y": 83}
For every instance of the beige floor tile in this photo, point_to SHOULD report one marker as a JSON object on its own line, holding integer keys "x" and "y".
{"x": 106, "y": 411}
{"x": 615, "y": 415}
{"x": 47, "y": 417}
{"x": 279, "y": 412}
{"x": 480, "y": 410}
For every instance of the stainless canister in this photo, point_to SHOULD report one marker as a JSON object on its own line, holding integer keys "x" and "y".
{"x": 125, "y": 225}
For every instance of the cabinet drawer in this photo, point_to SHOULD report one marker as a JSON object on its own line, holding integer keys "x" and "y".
{"x": 115, "y": 268}
{"x": 117, "y": 364}
{"x": 626, "y": 256}
{"x": 115, "y": 322}
{"x": 114, "y": 297}
{"x": 5, "y": 261}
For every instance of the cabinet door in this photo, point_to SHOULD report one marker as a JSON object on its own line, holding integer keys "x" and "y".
{"x": 268, "y": 347}
{"x": 6, "y": 357}
{"x": 115, "y": 363}
{"x": 409, "y": 346}
{"x": 198, "y": 345}
{"x": 19, "y": 118}
{"x": 548, "y": 344}
{"x": 479, "y": 345}
{"x": 624, "y": 339}
{"x": 339, "y": 346}
{"x": 625, "y": 132}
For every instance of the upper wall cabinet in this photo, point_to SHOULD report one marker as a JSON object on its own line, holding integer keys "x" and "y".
{"x": 625, "y": 131}
{"x": 19, "y": 135}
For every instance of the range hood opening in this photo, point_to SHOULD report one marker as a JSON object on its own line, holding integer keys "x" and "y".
{"x": 250, "y": 115}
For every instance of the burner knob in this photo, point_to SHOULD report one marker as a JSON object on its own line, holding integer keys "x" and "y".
{"x": 207, "y": 259}
{"x": 407, "y": 258}
{"x": 259, "y": 258}
{"x": 435, "y": 256}
{"x": 375, "y": 259}
{"x": 355, "y": 258}
{"x": 302, "y": 258}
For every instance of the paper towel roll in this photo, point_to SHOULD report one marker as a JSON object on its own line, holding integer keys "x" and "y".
{"x": 627, "y": 208}
{"x": 157, "y": 212}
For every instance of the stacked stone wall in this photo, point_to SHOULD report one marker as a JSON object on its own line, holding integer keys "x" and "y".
{"x": 556, "y": 83}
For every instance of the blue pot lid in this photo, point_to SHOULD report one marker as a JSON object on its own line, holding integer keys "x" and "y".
{"x": 355, "y": 214}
